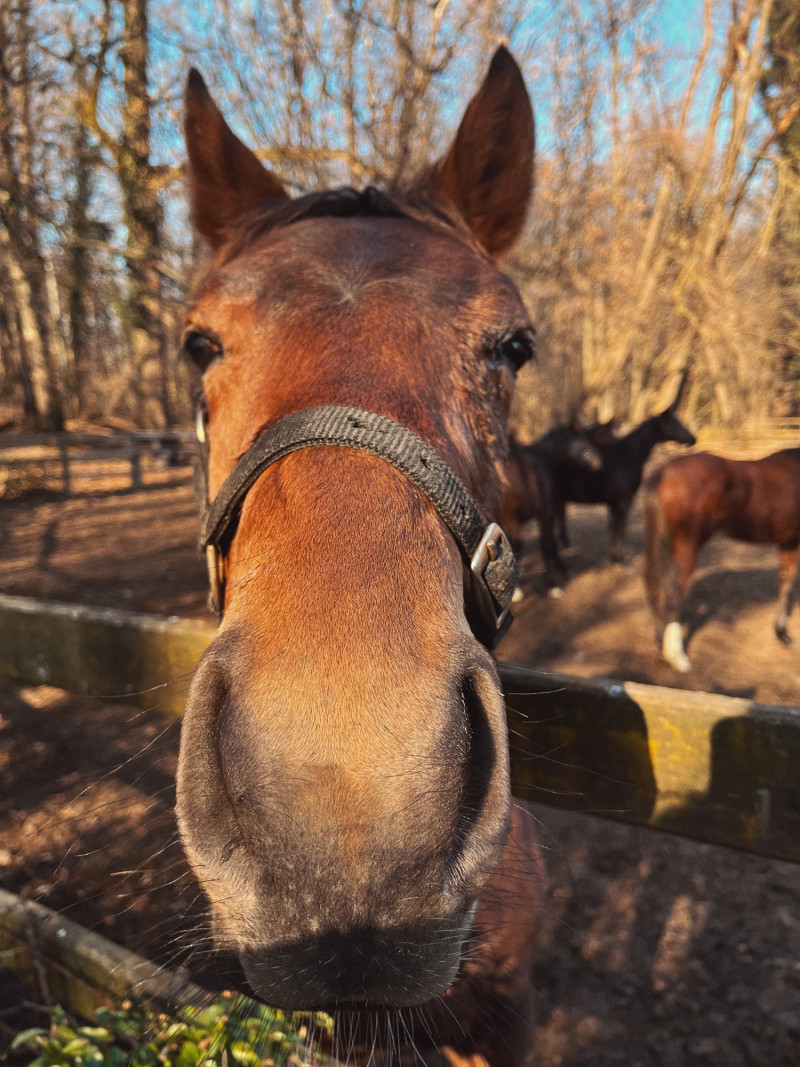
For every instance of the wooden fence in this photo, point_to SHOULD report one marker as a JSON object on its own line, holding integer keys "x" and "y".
{"x": 77, "y": 968}
{"x": 788, "y": 426}
{"x": 59, "y": 461}
{"x": 56, "y": 461}
{"x": 715, "y": 768}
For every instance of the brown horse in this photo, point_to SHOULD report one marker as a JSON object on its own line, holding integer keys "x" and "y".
{"x": 620, "y": 475}
{"x": 530, "y": 492}
{"x": 693, "y": 497}
{"x": 343, "y": 785}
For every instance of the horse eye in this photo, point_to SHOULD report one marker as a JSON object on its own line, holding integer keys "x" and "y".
{"x": 517, "y": 349}
{"x": 201, "y": 349}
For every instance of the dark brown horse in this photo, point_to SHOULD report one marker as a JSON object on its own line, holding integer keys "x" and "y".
{"x": 620, "y": 474}
{"x": 343, "y": 787}
{"x": 602, "y": 433}
{"x": 530, "y": 492}
{"x": 693, "y": 497}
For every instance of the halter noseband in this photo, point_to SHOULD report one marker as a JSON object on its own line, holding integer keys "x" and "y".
{"x": 484, "y": 546}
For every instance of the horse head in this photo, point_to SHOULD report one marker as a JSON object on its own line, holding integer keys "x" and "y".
{"x": 571, "y": 445}
{"x": 582, "y": 451}
{"x": 343, "y": 789}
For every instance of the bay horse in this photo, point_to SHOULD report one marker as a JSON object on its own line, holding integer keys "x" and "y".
{"x": 343, "y": 786}
{"x": 620, "y": 475}
{"x": 530, "y": 493}
{"x": 695, "y": 496}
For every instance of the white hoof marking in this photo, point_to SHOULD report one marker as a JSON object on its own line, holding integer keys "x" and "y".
{"x": 672, "y": 648}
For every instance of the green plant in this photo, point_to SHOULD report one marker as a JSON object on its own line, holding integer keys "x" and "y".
{"x": 227, "y": 1033}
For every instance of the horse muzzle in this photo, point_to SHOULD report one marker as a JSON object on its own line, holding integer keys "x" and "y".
{"x": 345, "y": 876}
{"x": 361, "y": 968}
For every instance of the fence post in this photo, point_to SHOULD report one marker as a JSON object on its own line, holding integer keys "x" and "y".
{"x": 136, "y": 468}
{"x": 64, "y": 453}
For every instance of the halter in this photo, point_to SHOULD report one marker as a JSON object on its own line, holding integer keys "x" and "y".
{"x": 484, "y": 546}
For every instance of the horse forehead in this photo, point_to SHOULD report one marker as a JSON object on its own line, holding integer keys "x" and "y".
{"x": 363, "y": 260}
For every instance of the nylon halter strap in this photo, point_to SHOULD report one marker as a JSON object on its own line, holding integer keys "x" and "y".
{"x": 484, "y": 546}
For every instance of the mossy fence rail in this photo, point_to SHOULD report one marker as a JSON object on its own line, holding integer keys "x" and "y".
{"x": 66, "y": 964}
{"x": 715, "y": 768}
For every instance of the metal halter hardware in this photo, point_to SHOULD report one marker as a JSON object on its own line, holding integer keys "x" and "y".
{"x": 485, "y": 547}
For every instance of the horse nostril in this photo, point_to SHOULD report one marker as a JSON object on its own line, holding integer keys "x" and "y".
{"x": 483, "y": 809}
{"x": 480, "y": 757}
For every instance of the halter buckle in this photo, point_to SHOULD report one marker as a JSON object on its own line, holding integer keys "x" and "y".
{"x": 494, "y": 573}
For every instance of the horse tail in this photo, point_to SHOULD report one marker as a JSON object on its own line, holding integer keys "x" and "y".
{"x": 656, "y": 544}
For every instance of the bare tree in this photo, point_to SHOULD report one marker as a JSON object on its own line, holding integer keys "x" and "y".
{"x": 661, "y": 234}
{"x": 660, "y": 229}
{"x": 129, "y": 148}
{"x": 28, "y": 317}
{"x": 351, "y": 91}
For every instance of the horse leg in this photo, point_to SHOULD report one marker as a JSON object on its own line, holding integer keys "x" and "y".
{"x": 684, "y": 557}
{"x": 618, "y": 516}
{"x": 561, "y": 521}
{"x": 787, "y": 573}
{"x": 555, "y": 573}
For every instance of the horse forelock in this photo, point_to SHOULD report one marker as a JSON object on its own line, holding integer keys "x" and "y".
{"x": 419, "y": 203}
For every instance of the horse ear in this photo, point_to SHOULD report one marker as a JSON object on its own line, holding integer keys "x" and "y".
{"x": 226, "y": 180}
{"x": 488, "y": 172}
{"x": 681, "y": 387}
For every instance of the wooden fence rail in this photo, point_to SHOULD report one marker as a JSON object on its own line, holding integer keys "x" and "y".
{"x": 53, "y": 459}
{"x": 80, "y": 970}
{"x": 715, "y": 768}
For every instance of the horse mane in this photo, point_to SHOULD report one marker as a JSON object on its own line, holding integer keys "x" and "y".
{"x": 420, "y": 203}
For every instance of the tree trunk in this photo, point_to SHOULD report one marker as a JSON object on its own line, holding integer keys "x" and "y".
{"x": 143, "y": 222}
{"x": 19, "y": 220}
{"x": 12, "y": 352}
{"x": 27, "y": 279}
{"x": 76, "y": 259}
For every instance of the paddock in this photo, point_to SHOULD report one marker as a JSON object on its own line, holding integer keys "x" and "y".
{"x": 656, "y": 949}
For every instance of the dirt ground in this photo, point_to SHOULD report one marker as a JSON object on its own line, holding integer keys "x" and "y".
{"x": 655, "y": 951}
